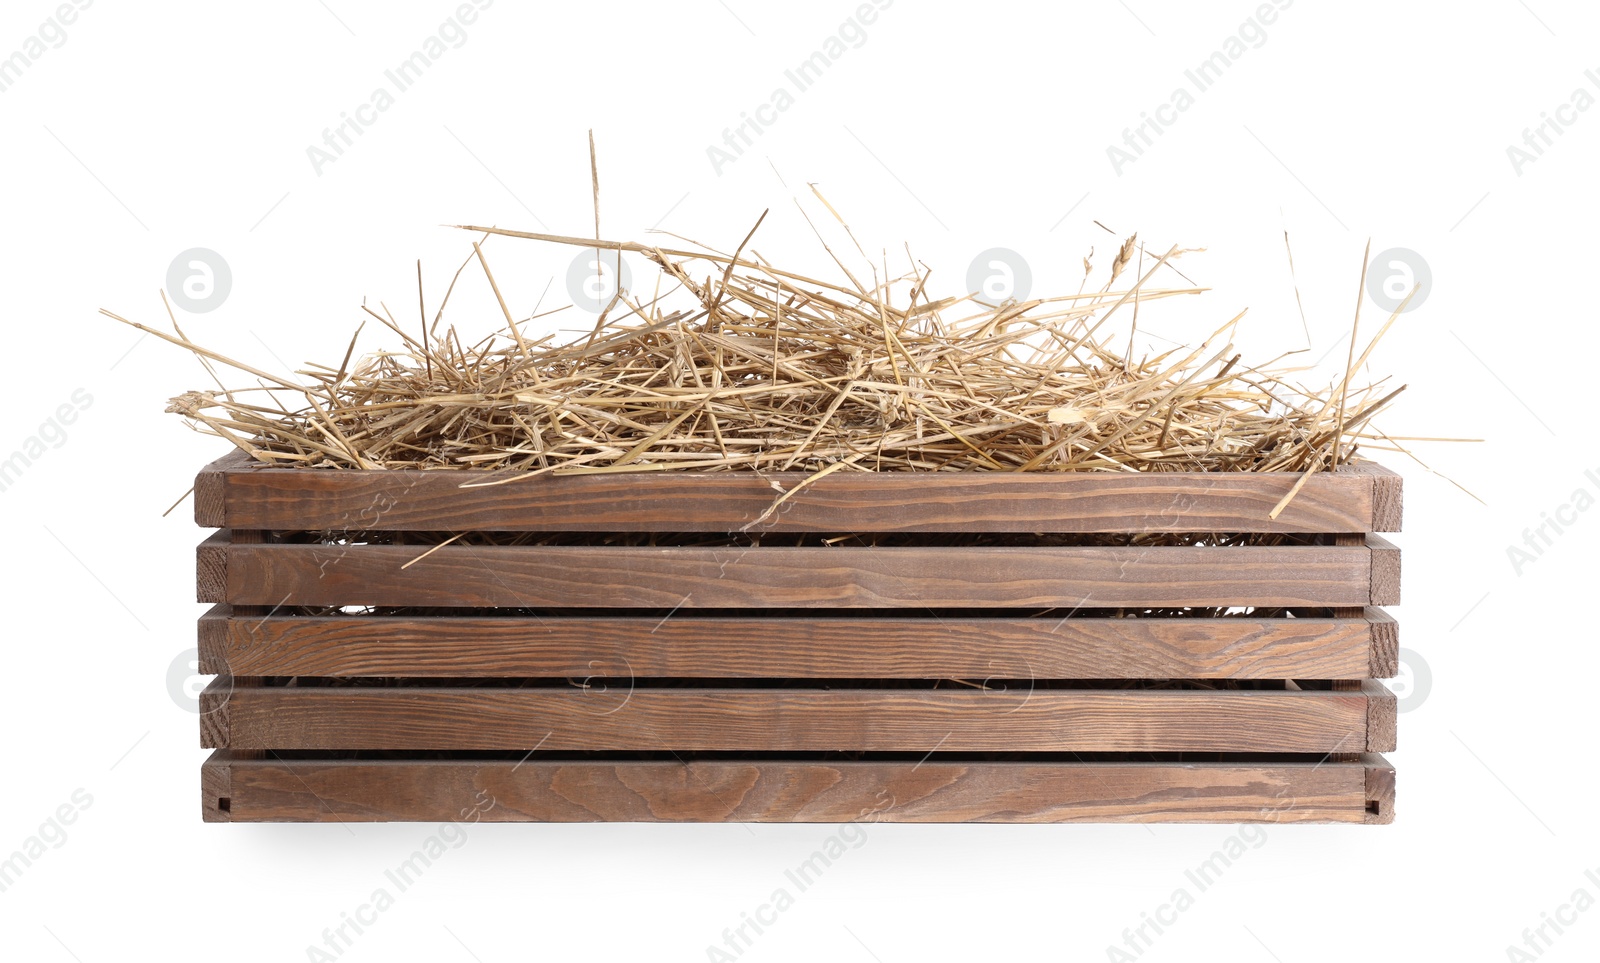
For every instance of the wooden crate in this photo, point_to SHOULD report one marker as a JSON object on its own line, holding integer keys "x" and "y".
{"x": 978, "y": 662}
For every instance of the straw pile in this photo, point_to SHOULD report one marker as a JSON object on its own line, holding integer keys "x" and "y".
{"x": 741, "y": 365}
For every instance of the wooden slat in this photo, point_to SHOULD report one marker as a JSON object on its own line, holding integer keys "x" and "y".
{"x": 1385, "y": 648}
{"x": 210, "y": 490}
{"x": 1387, "y": 495}
{"x": 216, "y": 790}
{"x": 1382, "y": 716}
{"x": 213, "y": 703}
{"x": 1358, "y": 498}
{"x": 1380, "y": 793}
{"x": 1385, "y": 570}
{"x": 786, "y": 719}
{"x": 688, "y": 645}
{"x": 211, "y": 567}
{"x": 933, "y": 790}
{"x": 783, "y": 577}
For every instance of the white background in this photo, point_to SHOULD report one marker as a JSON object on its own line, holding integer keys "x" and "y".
{"x": 954, "y": 128}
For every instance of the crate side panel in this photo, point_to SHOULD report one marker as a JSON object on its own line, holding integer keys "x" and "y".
{"x": 796, "y": 791}
{"x": 853, "y": 577}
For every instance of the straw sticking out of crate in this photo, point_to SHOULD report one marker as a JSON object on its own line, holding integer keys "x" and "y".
{"x": 740, "y": 364}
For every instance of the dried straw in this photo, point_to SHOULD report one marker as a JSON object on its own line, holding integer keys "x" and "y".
{"x": 743, "y": 365}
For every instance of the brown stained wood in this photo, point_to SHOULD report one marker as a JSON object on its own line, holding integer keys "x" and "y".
{"x": 1346, "y": 500}
{"x": 1385, "y": 570}
{"x": 823, "y": 646}
{"x": 221, "y": 636}
{"x": 250, "y": 536}
{"x": 1331, "y": 721}
{"x": 1380, "y": 791}
{"x": 1347, "y": 685}
{"x": 1388, "y": 508}
{"x": 216, "y": 783}
{"x": 785, "y": 577}
{"x": 1347, "y": 538}
{"x": 1385, "y": 645}
{"x": 627, "y": 717}
{"x": 210, "y": 496}
{"x": 931, "y": 791}
{"x": 1382, "y": 710}
{"x": 216, "y": 789}
{"x": 214, "y": 721}
{"x": 211, "y": 568}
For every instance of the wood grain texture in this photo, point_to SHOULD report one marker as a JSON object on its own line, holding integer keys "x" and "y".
{"x": 1385, "y": 570}
{"x": 932, "y": 791}
{"x": 210, "y": 497}
{"x": 222, "y": 636}
{"x": 1388, "y": 497}
{"x": 1382, "y": 717}
{"x": 211, "y": 567}
{"x": 216, "y": 787}
{"x": 1354, "y": 498}
{"x": 216, "y": 783}
{"x": 640, "y": 718}
{"x": 795, "y": 646}
{"x": 1380, "y": 791}
{"x": 1385, "y": 646}
{"x": 214, "y": 699}
{"x": 784, "y": 577}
